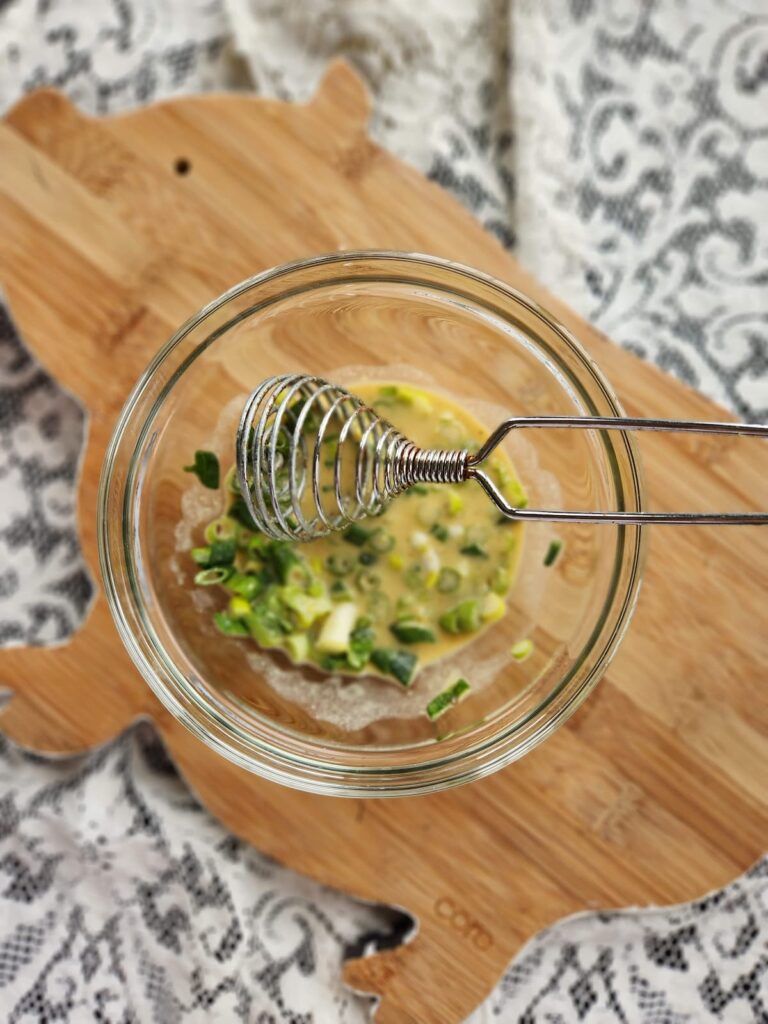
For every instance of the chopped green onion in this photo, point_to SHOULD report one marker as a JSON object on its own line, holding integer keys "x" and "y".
{"x": 381, "y": 541}
{"x": 289, "y": 567}
{"x": 474, "y": 551}
{"x": 367, "y": 558}
{"x": 339, "y": 565}
{"x": 396, "y": 663}
{"x": 357, "y": 535}
{"x": 500, "y": 581}
{"x": 414, "y": 576}
{"x": 553, "y": 551}
{"x": 493, "y": 607}
{"x": 232, "y": 481}
{"x": 455, "y": 503}
{"x": 462, "y": 618}
{"x": 337, "y": 629}
{"x": 361, "y": 643}
{"x": 339, "y": 591}
{"x": 222, "y": 552}
{"x": 522, "y": 649}
{"x": 447, "y": 698}
{"x": 448, "y": 580}
{"x": 306, "y": 609}
{"x": 228, "y": 625}
{"x": 206, "y": 469}
{"x": 412, "y": 632}
{"x": 201, "y": 555}
{"x": 417, "y": 489}
{"x": 377, "y": 605}
{"x": 334, "y": 662}
{"x": 297, "y": 645}
{"x": 223, "y": 528}
{"x": 239, "y": 510}
{"x": 211, "y": 577}
{"x": 239, "y": 607}
{"x": 244, "y": 585}
{"x": 265, "y": 625}
{"x": 367, "y": 580}
{"x": 439, "y": 531}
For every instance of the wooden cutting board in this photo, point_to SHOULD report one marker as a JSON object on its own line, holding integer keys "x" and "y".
{"x": 113, "y": 233}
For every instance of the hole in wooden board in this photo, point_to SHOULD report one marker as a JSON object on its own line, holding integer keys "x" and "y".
{"x": 182, "y": 166}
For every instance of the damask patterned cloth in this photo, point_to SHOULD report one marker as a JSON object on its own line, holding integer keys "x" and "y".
{"x": 620, "y": 148}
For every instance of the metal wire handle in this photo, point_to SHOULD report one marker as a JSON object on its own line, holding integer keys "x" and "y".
{"x": 313, "y": 458}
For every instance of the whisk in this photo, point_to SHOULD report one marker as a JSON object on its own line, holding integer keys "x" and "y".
{"x": 313, "y": 458}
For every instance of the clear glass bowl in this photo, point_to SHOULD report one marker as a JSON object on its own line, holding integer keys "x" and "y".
{"x": 391, "y": 315}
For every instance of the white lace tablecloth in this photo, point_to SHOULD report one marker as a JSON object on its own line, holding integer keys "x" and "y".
{"x": 620, "y": 148}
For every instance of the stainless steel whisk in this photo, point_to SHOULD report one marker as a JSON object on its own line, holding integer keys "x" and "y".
{"x": 313, "y": 458}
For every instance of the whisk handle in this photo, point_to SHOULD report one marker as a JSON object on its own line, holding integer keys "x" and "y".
{"x": 612, "y": 423}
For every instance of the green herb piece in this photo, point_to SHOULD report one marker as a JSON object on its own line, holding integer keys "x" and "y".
{"x": 381, "y": 541}
{"x": 553, "y": 551}
{"x": 447, "y": 698}
{"x": 339, "y": 565}
{"x": 357, "y": 535}
{"x": 367, "y": 558}
{"x": 244, "y": 585}
{"x": 211, "y": 577}
{"x": 474, "y": 551}
{"x": 522, "y": 649}
{"x": 412, "y": 632}
{"x": 228, "y": 625}
{"x": 396, "y": 663}
{"x": 448, "y": 580}
{"x": 417, "y": 489}
{"x": 462, "y": 618}
{"x": 361, "y": 643}
{"x": 439, "y": 531}
{"x": 206, "y": 469}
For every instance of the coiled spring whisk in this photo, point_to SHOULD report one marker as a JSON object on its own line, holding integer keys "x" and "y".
{"x": 313, "y": 458}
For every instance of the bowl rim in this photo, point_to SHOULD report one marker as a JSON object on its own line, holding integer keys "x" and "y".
{"x": 322, "y": 775}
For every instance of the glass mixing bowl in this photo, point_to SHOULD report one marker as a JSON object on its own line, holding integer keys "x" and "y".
{"x": 348, "y": 316}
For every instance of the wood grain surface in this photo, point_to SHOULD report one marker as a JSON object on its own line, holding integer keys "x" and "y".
{"x": 654, "y": 792}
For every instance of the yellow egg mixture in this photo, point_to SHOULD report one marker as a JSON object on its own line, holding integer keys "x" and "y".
{"x": 391, "y": 593}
